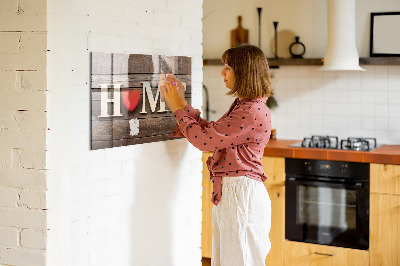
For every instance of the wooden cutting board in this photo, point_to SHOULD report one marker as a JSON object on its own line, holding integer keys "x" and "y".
{"x": 239, "y": 35}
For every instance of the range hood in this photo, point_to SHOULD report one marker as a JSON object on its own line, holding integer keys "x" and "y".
{"x": 341, "y": 51}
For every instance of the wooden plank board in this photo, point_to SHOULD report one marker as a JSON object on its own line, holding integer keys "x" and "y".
{"x": 135, "y": 80}
{"x": 129, "y": 72}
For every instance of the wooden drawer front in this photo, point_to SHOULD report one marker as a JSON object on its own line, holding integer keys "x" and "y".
{"x": 274, "y": 168}
{"x": 385, "y": 178}
{"x": 304, "y": 254}
{"x": 384, "y": 237}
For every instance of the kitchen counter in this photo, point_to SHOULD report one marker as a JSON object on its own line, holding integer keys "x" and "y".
{"x": 389, "y": 154}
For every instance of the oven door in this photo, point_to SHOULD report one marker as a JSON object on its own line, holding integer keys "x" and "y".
{"x": 327, "y": 213}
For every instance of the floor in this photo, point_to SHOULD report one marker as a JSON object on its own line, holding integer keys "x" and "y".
{"x": 206, "y": 261}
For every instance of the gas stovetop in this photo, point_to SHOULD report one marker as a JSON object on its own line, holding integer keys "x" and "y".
{"x": 332, "y": 142}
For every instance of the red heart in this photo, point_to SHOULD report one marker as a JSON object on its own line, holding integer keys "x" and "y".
{"x": 131, "y": 99}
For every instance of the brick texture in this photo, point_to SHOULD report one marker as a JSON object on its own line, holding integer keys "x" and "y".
{"x": 23, "y": 125}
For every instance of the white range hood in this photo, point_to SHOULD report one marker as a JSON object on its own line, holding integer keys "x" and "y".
{"x": 341, "y": 51}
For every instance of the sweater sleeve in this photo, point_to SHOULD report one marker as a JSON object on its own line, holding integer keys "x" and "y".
{"x": 193, "y": 113}
{"x": 232, "y": 130}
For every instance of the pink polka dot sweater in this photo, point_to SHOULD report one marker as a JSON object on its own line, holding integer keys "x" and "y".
{"x": 238, "y": 139}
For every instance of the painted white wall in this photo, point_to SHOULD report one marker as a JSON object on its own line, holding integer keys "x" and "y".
{"x": 344, "y": 103}
{"x": 23, "y": 133}
{"x": 134, "y": 205}
{"x": 306, "y": 19}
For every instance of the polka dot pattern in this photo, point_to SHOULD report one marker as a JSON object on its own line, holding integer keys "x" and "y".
{"x": 238, "y": 139}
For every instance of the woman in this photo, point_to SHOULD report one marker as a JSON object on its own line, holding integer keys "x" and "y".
{"x": 242, "y": 208}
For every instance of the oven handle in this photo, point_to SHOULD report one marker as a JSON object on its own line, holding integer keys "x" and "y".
{"x": 357, "y": 185}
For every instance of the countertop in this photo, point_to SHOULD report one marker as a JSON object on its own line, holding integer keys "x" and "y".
{"x": 389, "y": 154}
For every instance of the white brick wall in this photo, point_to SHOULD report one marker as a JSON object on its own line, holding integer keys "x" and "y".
{"x": 135, "y": 205}
{"x": 23, "y": 132}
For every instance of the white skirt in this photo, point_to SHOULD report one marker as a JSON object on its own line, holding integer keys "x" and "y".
{"x": 241, "y": 223}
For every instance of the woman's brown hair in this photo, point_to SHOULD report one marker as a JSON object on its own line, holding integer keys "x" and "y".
{"x": 250, "y": 66}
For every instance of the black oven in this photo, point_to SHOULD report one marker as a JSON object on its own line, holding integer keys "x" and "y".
{"x": 327, "y": 202}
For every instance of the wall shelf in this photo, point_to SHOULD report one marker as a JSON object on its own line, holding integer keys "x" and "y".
{"x": 274, "y": 63}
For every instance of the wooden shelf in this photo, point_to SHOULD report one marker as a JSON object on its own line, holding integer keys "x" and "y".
{"x": 380, "y": 61}
{"x": 274, "y": 63}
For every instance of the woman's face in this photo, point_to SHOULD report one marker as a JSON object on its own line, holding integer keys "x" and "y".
{"x": 229, "y": 76}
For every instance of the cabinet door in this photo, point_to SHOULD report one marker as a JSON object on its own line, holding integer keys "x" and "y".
{"x": 385, "y": 178}
{"x": 304, "y": 254}
{"x": 274, "y": 168}
{"x": 206, "y": 226}
{"x": 384, "y": 230}
{"x": 277, "y": 233}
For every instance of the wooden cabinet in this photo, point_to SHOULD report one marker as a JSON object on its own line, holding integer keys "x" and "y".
{"x": 274, "y": 168}
{"x": 304, "y": 254}
{"x": 385, "y": 215}
{"x": 277, "y": 233}
{"x": 206, "y": 226}
{"x": 385, "y": 178}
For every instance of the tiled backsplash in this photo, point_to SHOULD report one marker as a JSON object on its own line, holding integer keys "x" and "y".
{"x": 341, "y": 103}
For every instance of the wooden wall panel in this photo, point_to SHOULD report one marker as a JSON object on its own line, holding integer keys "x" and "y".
{"x": 128, "y": 72}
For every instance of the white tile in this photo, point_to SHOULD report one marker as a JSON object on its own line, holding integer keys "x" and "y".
{"x": 394, "y": 110}
{"x": 342, "y": 109}
{"x": 394, "y": 83}
{"x": 381, "y": 110}
{"x": 355, "y": 122}
{"x": 367, "y": 110}
{"x": 329, "y": 109}
{"x": 367, "y": 133}
{"x": 329, "y": 122}
{"x": 354, "y": 80}
{"x": 342, "y": 96}
{"x": 394, "y": 70}
{"x": 342, "y": 133}
{"x": 329, "y": 94}
{"x": 381, "y": 97}
{"x": 381, "y": 84}
{"x": 303, "y": 82}
{"x": 394, "y": 137}
{"x": 291, "y": 71}
{"x": 317, "y": 107}
{"x": 367, "y": 96}
{"x": 342, "y": 122}
{"x": 304, "y": 72}
{"x": 355, "y": 109}
{"x": 317, "y": 131}
{"x": 380, "y": 71}
{"x": 381, "y": 123}
{"x": 367, "y": 83}
{"x": 292, "y": 83}
{"x": 317, "y": 95}
{"x": 355, "y": 96}
{"x": 394, "y": 123}
{"x": 316, "y": 72}
{"x": 394, "y": 97}
{"x": 317, "y": 121}
{"x": 382, "y": 136}
{"x": 355, "y": 132}
{"x": 316, "y": 82}
{"x": 342, "y": 81}
{"x": 368, "y": 122}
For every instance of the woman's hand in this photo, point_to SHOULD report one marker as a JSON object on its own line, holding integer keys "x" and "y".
{"x": 174, "y": 94}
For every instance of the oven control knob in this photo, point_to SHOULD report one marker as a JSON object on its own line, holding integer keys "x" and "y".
{"x": 308, "y": 166}
{"x": 343, "y": 168}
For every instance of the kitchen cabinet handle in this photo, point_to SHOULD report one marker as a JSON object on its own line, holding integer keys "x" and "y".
{"x": 324, "y": 254}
